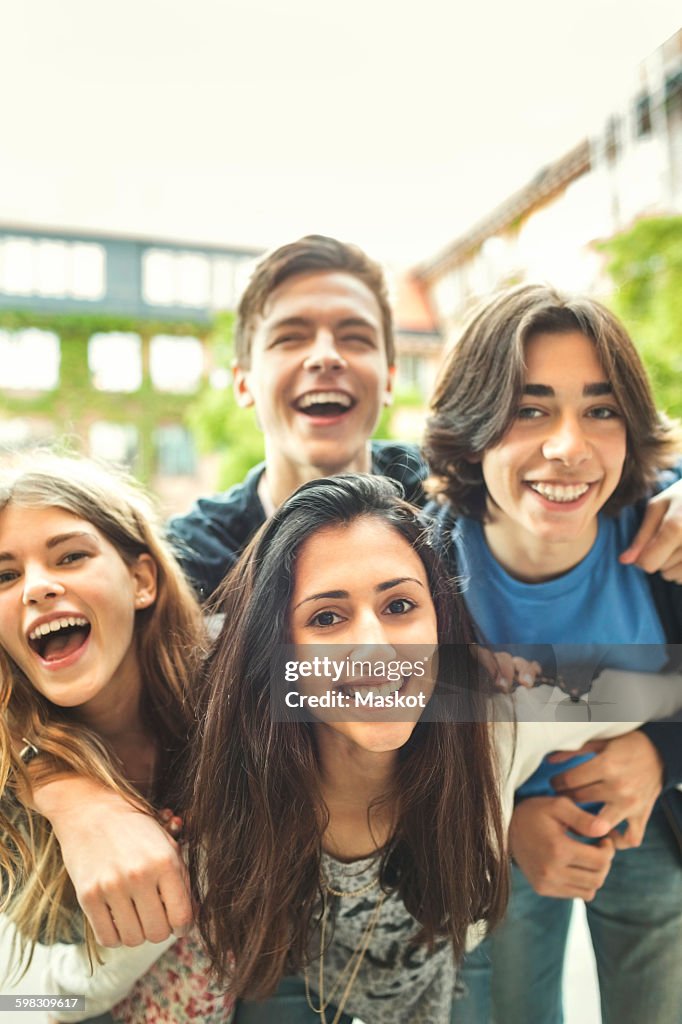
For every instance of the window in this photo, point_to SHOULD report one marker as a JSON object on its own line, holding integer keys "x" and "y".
{"x": 175, "y": 452}
{"x": 673, "y": 91}
{"x": 29, "y": 359}
{"x": 17, "y": 278}
{"x": 52, "y": 268}
{"x": 176, "y": 363}
{"x": 643, "y": 115}
{"x": 114, "y": 442}
{"x": 411, "y": 370}
{"x": 612, "y": 140}
{"x": 223, "y": 288}
{"x": 192, "y": 279}
{"x": 115, "y": 361}
{"x": 176, "y": 278}
{"x": 230, "y": 278}
{"x": 88, "y": 271}
{"x": 158, "y": 284}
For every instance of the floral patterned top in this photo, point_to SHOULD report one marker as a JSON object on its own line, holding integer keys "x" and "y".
{"x": 177, "y": 989}
{"x": 166, "y": 983}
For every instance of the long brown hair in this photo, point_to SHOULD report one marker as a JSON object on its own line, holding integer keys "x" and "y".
{"x": 257, "y": 814}
{"x": 37, "y": 893}
{"x": 480, "y": 384}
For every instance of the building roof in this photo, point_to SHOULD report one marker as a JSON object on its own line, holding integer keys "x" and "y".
{"x": 412, "y": 308}
{"x": 544, "y": 186}
{"x": 89, "y": 234}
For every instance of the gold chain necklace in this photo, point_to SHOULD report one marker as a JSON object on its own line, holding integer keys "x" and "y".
{"x": 357, "y": 955}
{"x": 351, "y": 892}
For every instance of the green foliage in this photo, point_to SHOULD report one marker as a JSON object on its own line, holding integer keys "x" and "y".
{"x": 404, "y": 419}
{"x": 645, "y": 264}
{"x": 83, "y": 325}
{"x": 217, "y": 422}
{"x": 220, "y": 339}
{"x": 220, "y": 425}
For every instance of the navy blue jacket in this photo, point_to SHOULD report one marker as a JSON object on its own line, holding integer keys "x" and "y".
{"x": 210, "y": 538}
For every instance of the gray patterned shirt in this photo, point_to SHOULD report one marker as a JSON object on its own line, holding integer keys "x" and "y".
{"x": 397, "y": 983}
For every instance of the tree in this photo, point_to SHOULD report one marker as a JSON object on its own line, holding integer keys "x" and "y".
{"x": 645, "y": 265}
{"x": 217, "y": 422}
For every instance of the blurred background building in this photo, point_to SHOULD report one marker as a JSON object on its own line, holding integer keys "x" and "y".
{"x": 104, "y": 339}
{"x": 112, "y": 340}
{"x": 553, "y": 228}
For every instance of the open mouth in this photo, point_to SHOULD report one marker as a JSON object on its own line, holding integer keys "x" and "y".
{"x": 324, "y": 404}
{"x": 59, "y": 638}
{"x": 560, "y": 494}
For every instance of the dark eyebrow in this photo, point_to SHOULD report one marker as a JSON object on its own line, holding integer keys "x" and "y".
{"x": 602, "y": 388}
{"x": 290, "y": 321}
{"x": 539, "y": 390}
{"x": 356, "y": 321}
{"x": 59, "y": 538}
{"x": 389, "y": 584}
{"x": 307, "y": 321}
{"x": 335, "y": 594}
{"x": 589, "y": 390}
{"x": 341, "y": 594}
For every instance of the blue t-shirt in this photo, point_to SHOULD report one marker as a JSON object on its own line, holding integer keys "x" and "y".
{"x": 598, "y": 602}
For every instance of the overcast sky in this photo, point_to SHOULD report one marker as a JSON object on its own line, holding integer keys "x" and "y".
{"x": 393, "y": 124}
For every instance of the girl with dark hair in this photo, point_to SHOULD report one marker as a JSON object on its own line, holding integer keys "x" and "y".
{"x": 101, "y": 640}
{"x": 342, "y": 864}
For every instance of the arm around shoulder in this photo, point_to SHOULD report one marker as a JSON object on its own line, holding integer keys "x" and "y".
{"x": 123, "y": 864}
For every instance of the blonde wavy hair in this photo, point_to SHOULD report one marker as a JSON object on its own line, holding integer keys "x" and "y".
{"x": 36, "y": 893}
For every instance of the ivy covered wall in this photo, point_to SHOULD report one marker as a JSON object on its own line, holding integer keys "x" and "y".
{"x": 76, "y": 403}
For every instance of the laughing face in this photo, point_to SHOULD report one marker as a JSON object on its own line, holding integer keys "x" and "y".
{"x": 67, "y": 608}
{"x": 319, "y": 375}
{"x": 560, "y": 461}
{"x": 370, "y": 610}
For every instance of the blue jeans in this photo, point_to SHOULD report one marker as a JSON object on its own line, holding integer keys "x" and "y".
{"x": 635, "y": 922}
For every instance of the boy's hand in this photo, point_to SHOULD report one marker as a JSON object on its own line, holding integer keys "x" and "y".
{"x": 554, "y": 862}
{"x": 507, "y": 670}
{"x": 626, "y": 776}
{"x": 657, "y": 546}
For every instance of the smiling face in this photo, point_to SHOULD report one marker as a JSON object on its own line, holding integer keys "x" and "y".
{"x": 319, "y": 375}
{"x": 371, "y": 609}
{"x": 560, "y": 461}
{"x": 67, "y": 607}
